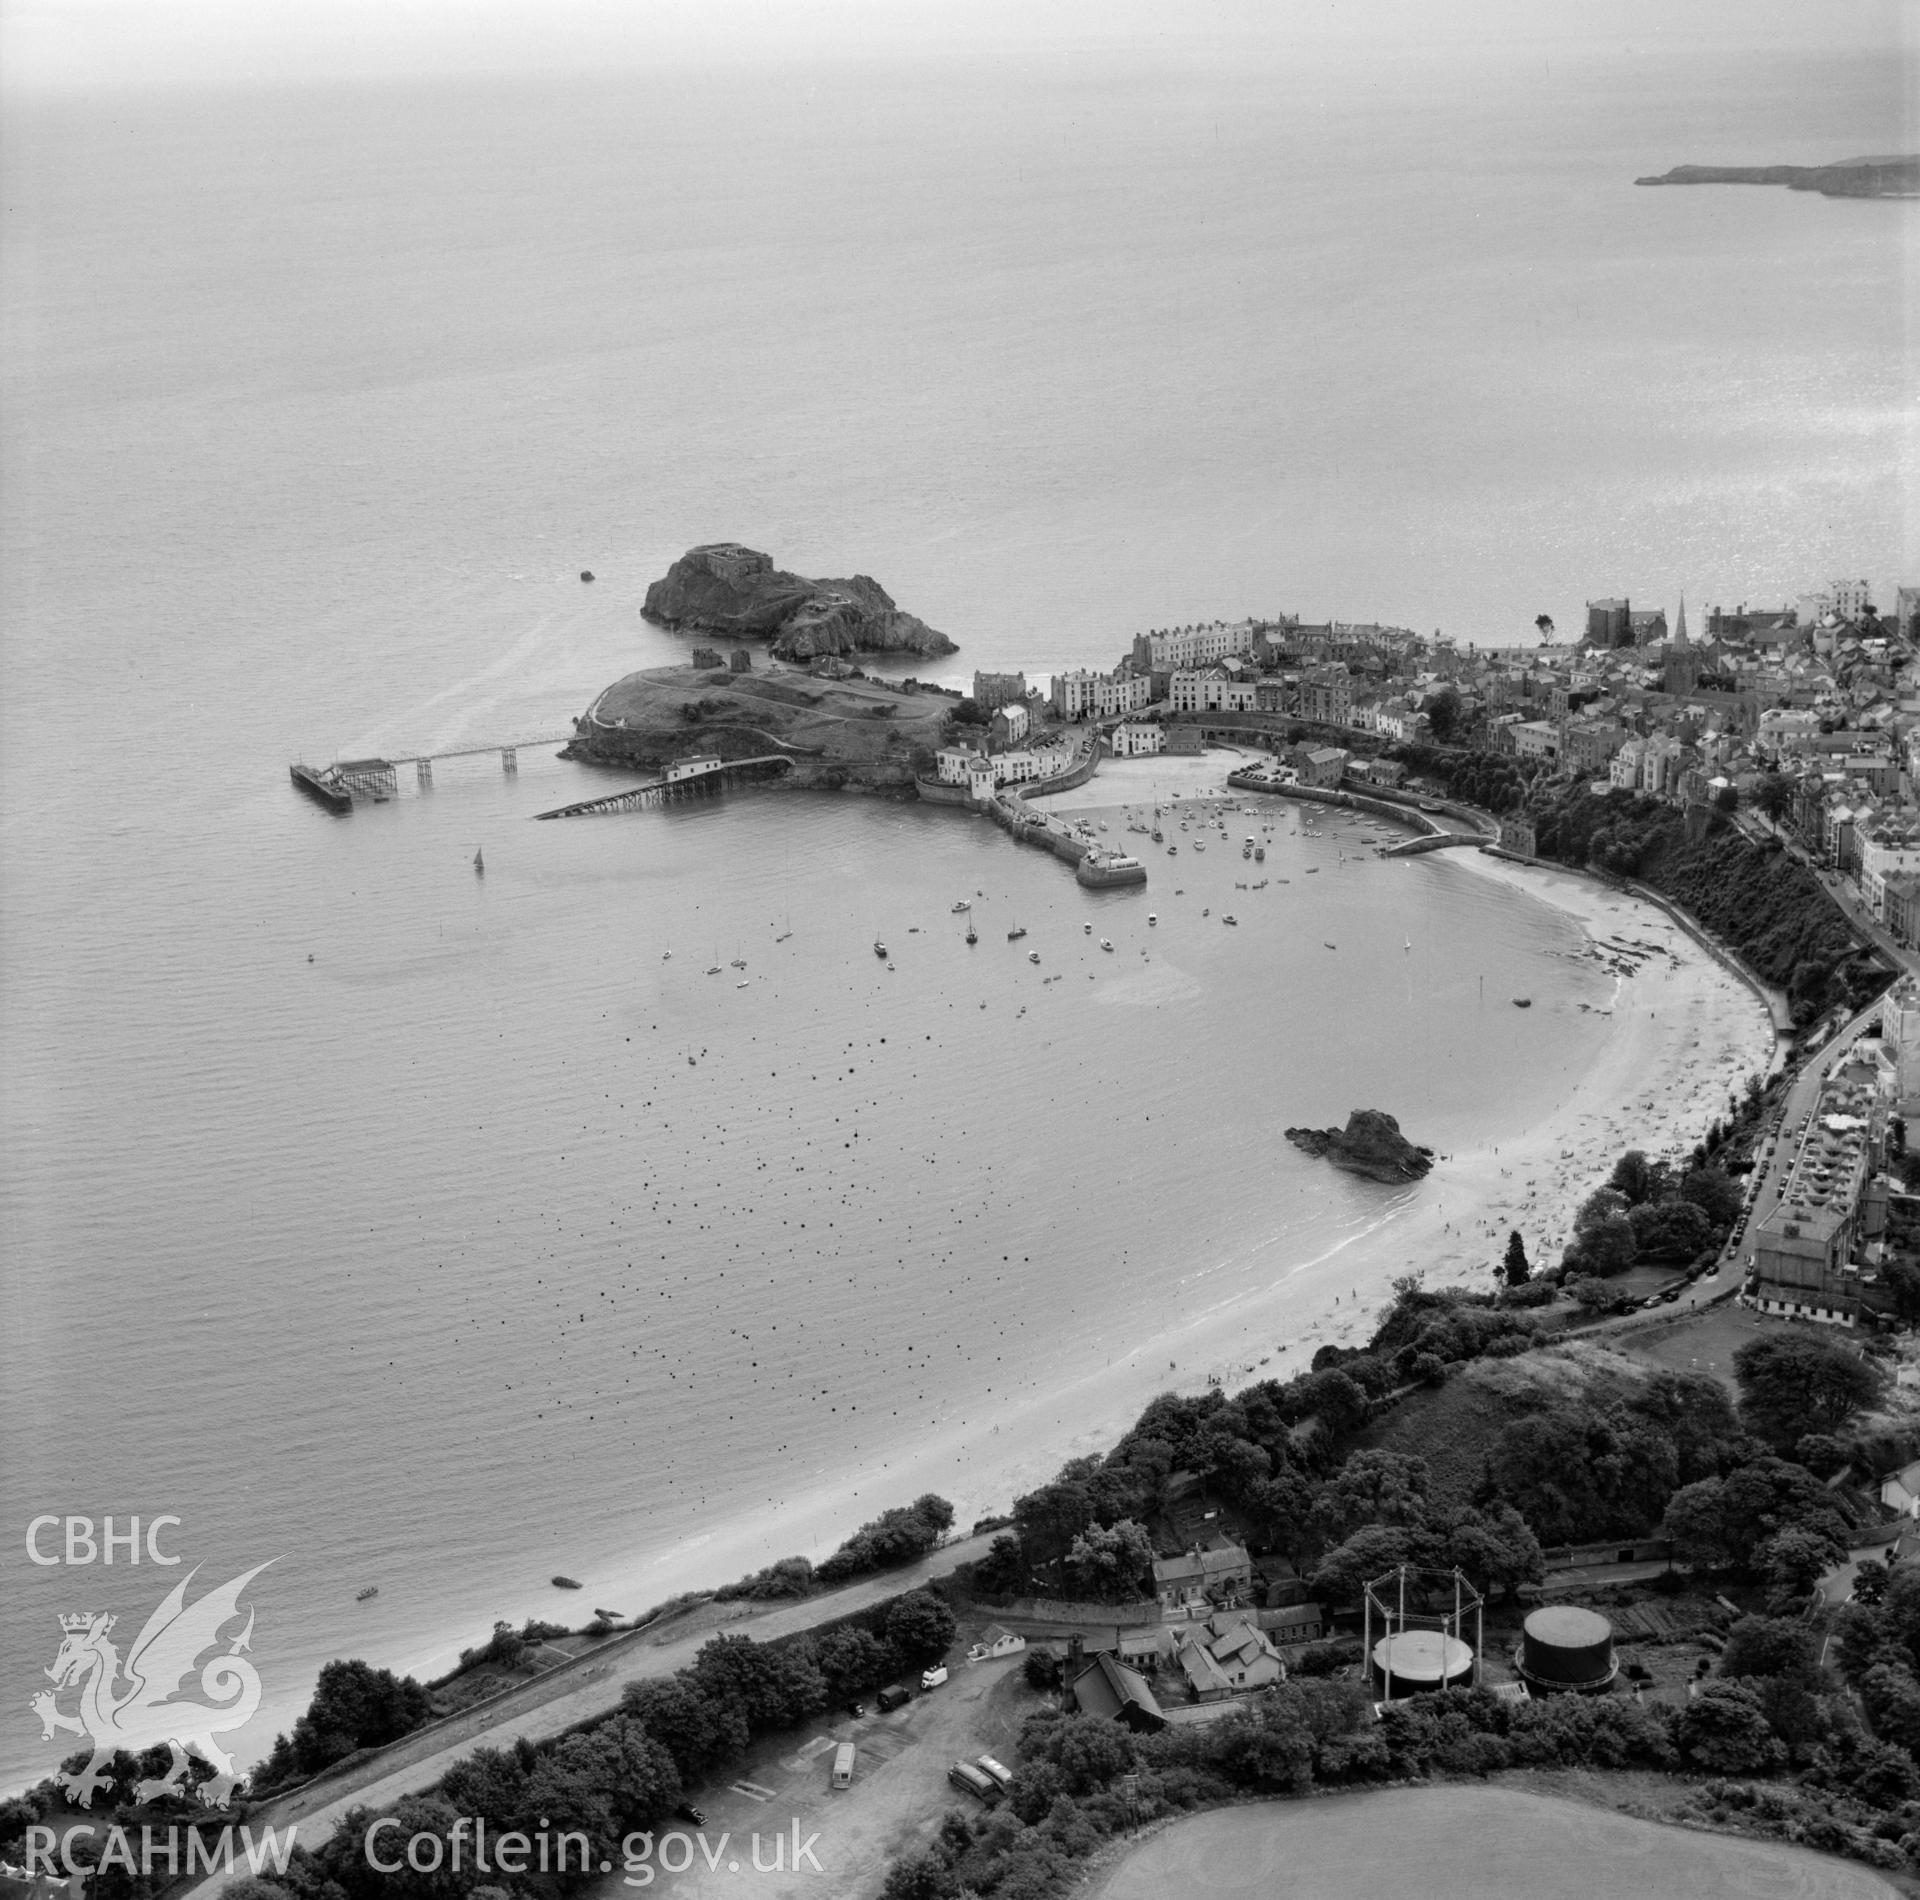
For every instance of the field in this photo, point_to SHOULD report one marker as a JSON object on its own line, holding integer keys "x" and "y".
{"x": 1466, "y": 1843}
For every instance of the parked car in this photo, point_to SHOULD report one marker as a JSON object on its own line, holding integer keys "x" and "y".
{"x": 856, "y": 1710}
{"x": 694, "y": 1817}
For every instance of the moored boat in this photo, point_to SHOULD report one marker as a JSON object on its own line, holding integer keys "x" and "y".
{"x": 879, "y": 949}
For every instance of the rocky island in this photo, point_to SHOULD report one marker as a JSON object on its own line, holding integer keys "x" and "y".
{"x": 1896, "y": 177}
{"x": 1370, "y": 1144}
{"x": 736, "y": 591}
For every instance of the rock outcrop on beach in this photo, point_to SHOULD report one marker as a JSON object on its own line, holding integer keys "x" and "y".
{"x": 1897, "y": 177}
{"x": 1370, "y": 1144}
{"x": 728, "y": 589}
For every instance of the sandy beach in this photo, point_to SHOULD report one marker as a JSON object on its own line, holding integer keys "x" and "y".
{"x": 1684, "y": 1035}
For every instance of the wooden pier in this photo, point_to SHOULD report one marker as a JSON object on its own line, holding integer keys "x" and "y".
{"x": 701, "y": 780}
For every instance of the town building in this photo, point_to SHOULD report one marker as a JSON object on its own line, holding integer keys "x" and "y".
{"x": 1211, "y": 692}
{"x": 1137, "y": 739}
{"x": 1609, "y": 624}
{"x": 1082, "y": 694}
{"x": 1109, "y": 1689}
{"x": 1536, "y": 739}
{"x": 999, "y": 689}
{"x": 1008, "y": 725}
{"x": 1831, "y": 1201}
{"x": 1322, "y": 765}
{"x": 996, "y": 1640}
{"x": 1191, "y": 647}
{"x": 1201, "y": 1577}
{"x": 1325, "y": 695}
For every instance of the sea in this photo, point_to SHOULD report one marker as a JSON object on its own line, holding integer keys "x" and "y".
{"x": 618, "y": 1212}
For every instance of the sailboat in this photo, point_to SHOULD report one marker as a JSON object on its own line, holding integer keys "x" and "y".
{"x": 973, "y": 936}
{"x": 1016, "y": 933}
{"x": 479, "y": 865}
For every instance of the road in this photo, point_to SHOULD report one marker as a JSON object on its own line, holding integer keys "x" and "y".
{"x": 555, "y": 1702}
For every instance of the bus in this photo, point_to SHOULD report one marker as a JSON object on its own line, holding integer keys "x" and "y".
{"x": 996, "y": 1772}
{"x": 970, "y": 1780}
{"x": 843, "y": 1766}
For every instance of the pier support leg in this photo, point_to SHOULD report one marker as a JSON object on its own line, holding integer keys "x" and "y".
{"x": 509, "y": 760}
{"x": 423, "y": 771}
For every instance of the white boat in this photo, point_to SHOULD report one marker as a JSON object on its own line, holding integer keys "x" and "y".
{"x": 1033, "y": 956}
{"x": 1106, "y": 943}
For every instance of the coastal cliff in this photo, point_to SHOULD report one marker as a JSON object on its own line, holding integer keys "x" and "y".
{"x": 1370, "y": 1144}
{"x": 728, "y": 589}
{"x": 1897, "y": 177}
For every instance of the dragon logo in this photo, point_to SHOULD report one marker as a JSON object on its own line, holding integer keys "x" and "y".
{"x": 141, "y": 1714}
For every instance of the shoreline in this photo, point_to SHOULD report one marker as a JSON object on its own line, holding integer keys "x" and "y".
{"x": 1687, "y": 1031}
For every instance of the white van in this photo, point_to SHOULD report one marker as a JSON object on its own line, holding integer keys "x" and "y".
{"x": 934, "y": 1677}
{"x": 843, "y": 1766}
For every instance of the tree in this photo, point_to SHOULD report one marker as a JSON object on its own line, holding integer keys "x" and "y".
{"x": 1443, "y": 714}
{"x": 1725, "y": 1731}
{"x": 1602, "y": 1205}
{"x": 1773, "y": 796}
{"x": 1770, "y": 1646}
{"x": 1048, "y": 1520}
{"x": 1603, "y": 1247}
{"x": 920, "y": 1627}
{"x": 1592, "y": 1295}
{"x": 354, "y": 1706}
{"x": 1373, "y": 1487}
{"x": 1545, "y": 624}
{"x": 1713, "y": 1192}
{"x": 1633, "y": 1177}
{"x": 1669, "y": 1230}
{"x": 1791, "y": 1382}
{"x": 1344, "y": 1570}
{"x": 1514, "y": 1268}
{"x": 1107, "y": 1565}
{"x": 1794, "y": 1560}
{"x": 1901, "y": 1278}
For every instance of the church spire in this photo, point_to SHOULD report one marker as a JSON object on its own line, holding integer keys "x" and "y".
{"x": 1680, "y": 625}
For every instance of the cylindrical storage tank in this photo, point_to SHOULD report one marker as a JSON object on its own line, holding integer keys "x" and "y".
{"x": 1563, "y": 1648}
{"x": 1417, "y": 1661}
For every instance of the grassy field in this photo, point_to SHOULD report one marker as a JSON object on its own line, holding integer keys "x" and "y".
{"x": 669, "y": 710}
{"x": 1463, "y": 1842}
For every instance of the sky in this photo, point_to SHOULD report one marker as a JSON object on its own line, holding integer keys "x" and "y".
{"x": 69, "y": 44}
